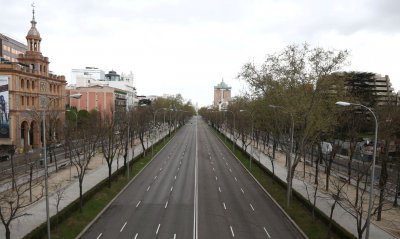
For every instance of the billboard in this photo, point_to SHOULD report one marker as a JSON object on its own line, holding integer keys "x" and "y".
{"x": 4, "y": 107}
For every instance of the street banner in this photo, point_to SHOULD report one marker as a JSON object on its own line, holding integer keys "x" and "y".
{"x": 4, "y": 107}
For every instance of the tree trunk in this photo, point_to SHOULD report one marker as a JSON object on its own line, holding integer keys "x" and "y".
{"x": 330, "y": 219}
{"x": 8, "y": 232}
{"x": 317, "y": 164}
{"x": 109, "y": 175}
{"x": 30, "y": 182}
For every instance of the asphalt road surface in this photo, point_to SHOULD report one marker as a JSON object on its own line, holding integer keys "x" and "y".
{"x": 194, "y": 188}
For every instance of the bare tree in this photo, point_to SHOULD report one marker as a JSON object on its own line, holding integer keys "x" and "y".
{"x": 59, "y": 196}
{"x": 109, "y": 141}
{"x": 81, "y": 147}
{"x": 356, "y": 203}
{"x": 13, "y": 203}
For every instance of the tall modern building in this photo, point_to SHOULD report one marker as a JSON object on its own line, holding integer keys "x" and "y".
{"x": 10, "y": 48}
{"x": 26, "y": 89}
{"x": 92, "y": 76}
{"x": 222, "y": 95}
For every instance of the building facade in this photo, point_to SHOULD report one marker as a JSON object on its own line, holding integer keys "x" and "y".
{"x": 10, "y": 48}
{"x": 91, "y": 76}
{"x": 222, "y": 95}
{"x": 104, "y": 99}
{"x": 26, "y": 90}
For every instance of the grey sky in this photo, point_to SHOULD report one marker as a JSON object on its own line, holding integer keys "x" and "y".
{"x": 181, "y": 46}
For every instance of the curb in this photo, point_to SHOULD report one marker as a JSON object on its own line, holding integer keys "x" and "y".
{"x": 265, "y": 191}
{"x": 116, "y": 196}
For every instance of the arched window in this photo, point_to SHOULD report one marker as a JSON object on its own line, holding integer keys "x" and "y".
{"x": 22, "y": 84}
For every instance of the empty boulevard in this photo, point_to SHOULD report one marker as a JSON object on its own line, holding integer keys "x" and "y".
{"x": 194, "y": 188}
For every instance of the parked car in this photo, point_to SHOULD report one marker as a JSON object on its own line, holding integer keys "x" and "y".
{"x": 5, "y": 157}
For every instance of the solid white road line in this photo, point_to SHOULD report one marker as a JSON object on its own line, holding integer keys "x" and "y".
{"x": 148, "y": 188}
{"x": 99, "y": 235}
{"x": 166, "y": 204}
{"x": 158, "y": 228}
{"x": 251, "y": 206}
{"x": 122, "y": 228}
{"x": 233, "y": 234}
{"x": 136, "y": 235}
{"x": 137, "y": 205}
{"x": 267, "y": 233}
{"x": 241, "y": 189}
{"x": 224, "y": 205}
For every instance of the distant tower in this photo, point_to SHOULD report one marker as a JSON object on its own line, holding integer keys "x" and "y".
{"x": 222, "y": 95}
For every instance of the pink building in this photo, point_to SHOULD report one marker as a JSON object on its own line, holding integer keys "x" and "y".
{"x": 104, "y": 99}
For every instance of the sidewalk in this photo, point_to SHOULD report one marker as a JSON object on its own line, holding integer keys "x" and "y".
{"x": 97, "y": 172}
{"x": 323, "y": 204}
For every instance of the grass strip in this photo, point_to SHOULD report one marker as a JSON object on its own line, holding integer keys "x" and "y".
{"x": 298, "y": 211}
{"x": 72, "y": 222}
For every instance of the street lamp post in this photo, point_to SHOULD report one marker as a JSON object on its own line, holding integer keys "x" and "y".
{"x": 371, "y": 189}
{"x": 76, "y": 96}
{"x": 252, "y": 131}
{"x": 289, "y": 164}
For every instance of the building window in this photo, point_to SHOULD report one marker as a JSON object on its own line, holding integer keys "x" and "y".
{"x": 22, "y": 84}
{"x": 33, "y": 85}
{"x": 27, "y": 84}
{"x": 22, "y": 100}
{"x": 33, "y": 101}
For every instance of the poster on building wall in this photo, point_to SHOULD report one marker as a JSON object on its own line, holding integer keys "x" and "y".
{"x": 4, "y": 107}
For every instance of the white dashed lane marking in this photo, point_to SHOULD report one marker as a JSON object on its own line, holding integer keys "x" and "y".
{"x": 122, "y": 228}
{"x": 224, "y": 205}
{"x": 233, "y": 234}
{"x": 158, "y": 228}
{"x": 148, "y": 188}
{"x": 99, "y": 235}
{"x": 136, "y": 235}
{"x": 241, "y": 189}
{"x": 267, "y": 233}
{"x": 251, "y": 206}
{"x": 137, "y": 205}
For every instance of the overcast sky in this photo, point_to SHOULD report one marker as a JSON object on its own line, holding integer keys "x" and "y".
{"x": 188, "y": 46}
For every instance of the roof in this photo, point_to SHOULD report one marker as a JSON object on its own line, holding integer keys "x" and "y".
{"x": 222, "y": 85}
